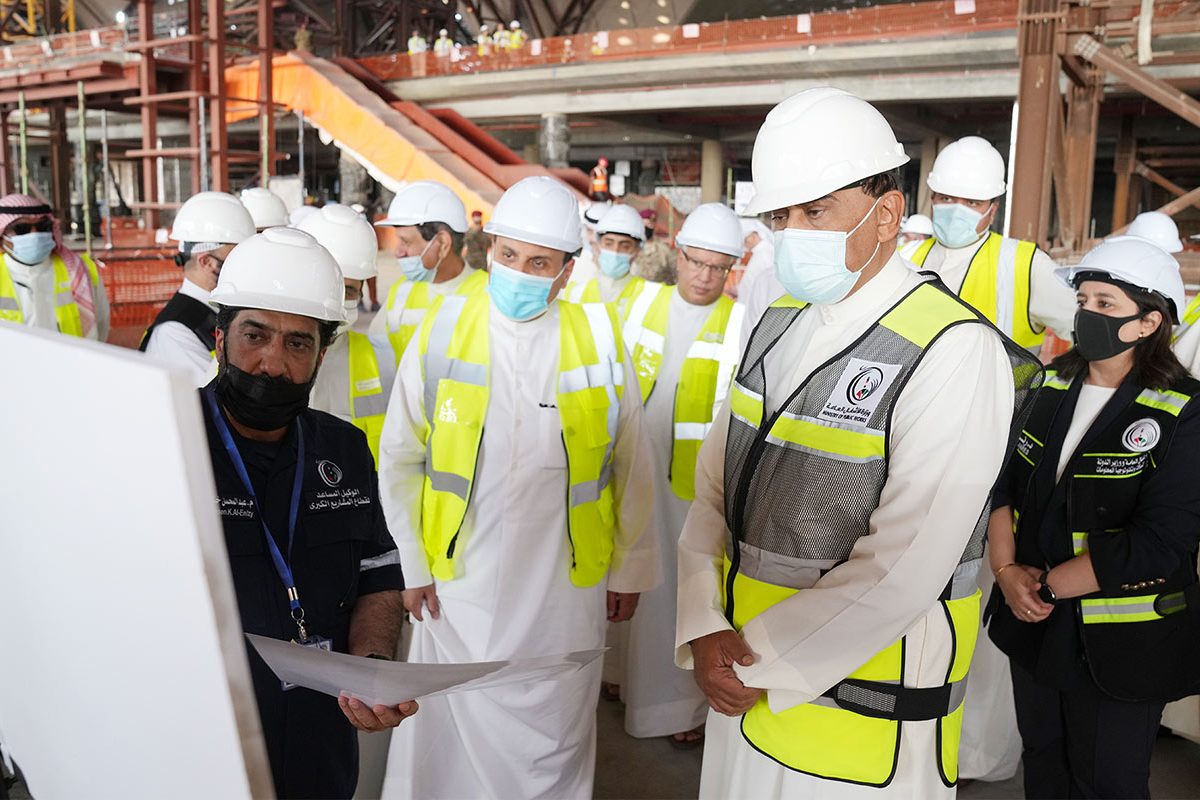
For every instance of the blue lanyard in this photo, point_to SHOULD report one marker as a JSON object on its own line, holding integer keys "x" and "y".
{"x": 282, "y": 565}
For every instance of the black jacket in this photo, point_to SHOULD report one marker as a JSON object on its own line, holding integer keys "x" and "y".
{"x": 341, "y": 551}
{"x": 1130, "y": 496}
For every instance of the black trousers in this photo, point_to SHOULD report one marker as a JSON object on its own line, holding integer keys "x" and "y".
{"x": 1082, "y": 743}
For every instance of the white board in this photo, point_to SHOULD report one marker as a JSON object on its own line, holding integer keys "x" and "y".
{"x": 123, "y": 671}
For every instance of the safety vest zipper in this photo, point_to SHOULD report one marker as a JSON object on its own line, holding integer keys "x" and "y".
{"x": 570, "y": 538}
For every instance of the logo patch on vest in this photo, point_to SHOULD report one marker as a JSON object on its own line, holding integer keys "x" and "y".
{"x": 330, "y": 472}
{"x": 1142, "y": 436}
{"x": 859, "y": 391}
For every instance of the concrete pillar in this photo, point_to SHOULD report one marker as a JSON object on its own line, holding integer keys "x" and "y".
{"x": 712, "y": 172}
{"x": 929, "y": 151}
{"x": 531, "y": 153}
{"x": 354, "y": 180}
{"x": 554, "y": 141}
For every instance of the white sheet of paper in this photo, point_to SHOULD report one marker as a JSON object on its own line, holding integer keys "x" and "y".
{"x": 375, "y": 681}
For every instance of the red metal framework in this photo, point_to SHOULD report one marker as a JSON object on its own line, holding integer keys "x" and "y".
{"x": 1091, "y": 43}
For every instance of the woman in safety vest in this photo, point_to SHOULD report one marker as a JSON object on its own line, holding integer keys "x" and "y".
{"x": 1094, "y": 533}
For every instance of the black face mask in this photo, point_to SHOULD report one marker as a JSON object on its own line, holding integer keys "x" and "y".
{"x": 261, "y": 402}
{"x": 1096, "y": 335}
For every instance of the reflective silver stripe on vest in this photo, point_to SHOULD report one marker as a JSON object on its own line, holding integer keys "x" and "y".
{"x": 385, "y": 560}
{"x": 884, "y": 702}
{"x": 1006, "y": 284}
{"x": 369, "y": 405}
{"x": 399, "y": 301}
{"x": 9, "y": 304}
{"x": 1169, "y": 398}
{"x": 63, "y": 297}
{"x": 589, "y": 491}
{"x": 439, "y": 366}
{"x": 773, "y": 439}
{"x": 965, "y": 580}
{"x": 781, "y": 570}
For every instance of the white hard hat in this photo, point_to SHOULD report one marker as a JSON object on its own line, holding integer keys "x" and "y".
{"x": 442, "y": 32}
{"x": 300, "y": 214}
{"x": 282, "y": 269}
{"x": 816, "y": 142}
{"x": 1156, "y": 227}
{"x": 622, "y": 219}
{"x": 1135, "y": 261}
{"x": 483, "y": 27}
{"x": 212, "y": 217}
{"x": 713, "y": 226}
{"x": 969, "y": 168}
{"x": 594, "y": 212}
{"x": 266, "y": 208}
{"x": 514, "y": 24}
{"x": 917, "y": 223}
{"x": 348, "y": 237}
{"x": 538, "y": 210}
{"x": 426, "y": 201}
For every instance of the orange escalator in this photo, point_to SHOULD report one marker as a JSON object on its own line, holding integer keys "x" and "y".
{"x": 396, "y": 141}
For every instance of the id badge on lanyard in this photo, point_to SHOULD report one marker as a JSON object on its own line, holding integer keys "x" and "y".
{"x": 282, "y": 565}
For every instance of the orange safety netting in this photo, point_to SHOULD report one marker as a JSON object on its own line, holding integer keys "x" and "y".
{"x": 354, "y": 116}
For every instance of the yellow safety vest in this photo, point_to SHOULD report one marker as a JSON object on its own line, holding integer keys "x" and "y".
{"x": 455, "y": 362}
{"x": 368, "y": 395}
{"x": 829, "y": 442}
{"x": 1190, "y": 315}
{"x": 414, "y": 298}
{"x": 66, "y": 310}
{"x": 703, "y": 380}
{"x": 589, "y": 292}
{"x": 997, "y": 285}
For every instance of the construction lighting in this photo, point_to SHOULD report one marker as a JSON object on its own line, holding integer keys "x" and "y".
{"x": 663, "y": 19}
{"x": 625, "y": 4}
{"x": 660, "y": 38}
{"x": 623, "y": 20}
{"x": 120, "y": 17}
{"x": 662, "y": 3}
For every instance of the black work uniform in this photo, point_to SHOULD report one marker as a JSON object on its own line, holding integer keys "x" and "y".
{"x": 1090, "y": 681}
{"x": 197, "y": 317}
{"x": 341, "y": 551}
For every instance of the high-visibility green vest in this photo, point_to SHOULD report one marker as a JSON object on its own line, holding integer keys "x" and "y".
{"x": 703, "y": 380}
{"x": 414, "y": 298}
{"x": 997, "y": 285}
{"x": 455, "y": 363}
{"x": 800, "y": 488}
{"x": 66, "y": 310}
{"x": 589, "y": 292}
{"x": 1190, "y": 315}
{"x": 368, "y": 395}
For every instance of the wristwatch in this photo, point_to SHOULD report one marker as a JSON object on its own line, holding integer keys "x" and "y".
{"x": 1045, "y": 592}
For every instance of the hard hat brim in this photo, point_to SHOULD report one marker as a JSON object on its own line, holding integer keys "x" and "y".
{"x": 714, "y": 247}
{"x": 553, "y": 242}
{"x": 762, "y": 202}
{"x": 270, "y": 302}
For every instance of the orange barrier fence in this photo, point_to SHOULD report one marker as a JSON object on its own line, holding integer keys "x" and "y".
{"x": 140, "y": 281}
{"x": 937, "y": 18}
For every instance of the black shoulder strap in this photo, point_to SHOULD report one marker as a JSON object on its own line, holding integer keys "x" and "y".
{"x": 190, "y": 312}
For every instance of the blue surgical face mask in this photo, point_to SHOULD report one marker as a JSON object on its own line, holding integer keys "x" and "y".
{"x": 614, "y": 265}
{"x": 518, "y": 295}
{"x": 414, "y": 269}
{"x": 811, "y": 265}
{"x": 955, "y": 225}
{"x": 31, "y": 248}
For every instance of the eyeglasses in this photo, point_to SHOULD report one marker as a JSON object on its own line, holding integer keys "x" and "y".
{"x": 22, "y": 228}
{"x": 700, "y": 266}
